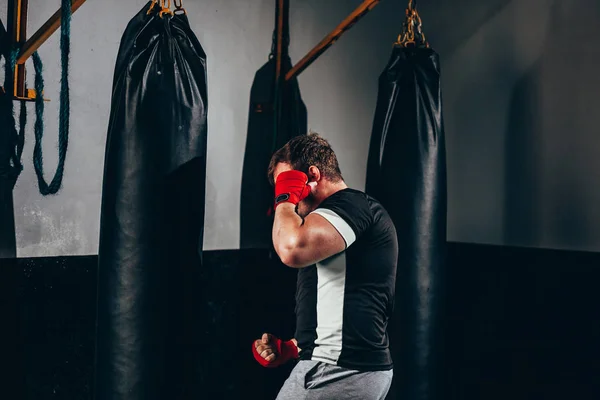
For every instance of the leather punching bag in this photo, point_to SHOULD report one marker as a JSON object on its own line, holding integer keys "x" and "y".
{"x": 10, "y": 167}
{"x": 277, "y": 114}
{"x": 406, "y": 172}
{"x": 152, "y": 215}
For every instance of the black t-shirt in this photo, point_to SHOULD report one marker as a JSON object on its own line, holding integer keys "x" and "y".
{"x": 344, "y": 303}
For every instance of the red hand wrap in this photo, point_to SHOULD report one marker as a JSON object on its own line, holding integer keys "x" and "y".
{"x": 286, "y": 351}
{"x": 291, "y": 187}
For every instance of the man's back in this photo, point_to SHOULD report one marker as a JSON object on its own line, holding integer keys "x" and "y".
{"x": 343, "y": 304}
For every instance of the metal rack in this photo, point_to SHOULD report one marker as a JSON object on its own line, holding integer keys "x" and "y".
{"x": 16, "y": 33}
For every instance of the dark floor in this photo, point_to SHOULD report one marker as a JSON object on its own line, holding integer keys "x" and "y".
{"x": 520, "y": 324}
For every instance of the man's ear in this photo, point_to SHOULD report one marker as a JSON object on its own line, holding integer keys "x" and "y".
{"x": 314, "y": 175}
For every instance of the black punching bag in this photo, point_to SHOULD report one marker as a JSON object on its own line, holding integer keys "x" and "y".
{"x": 10, "y": 148}
{"x": 406, "y": 172}
{"x": 277, "y": 114}
{"x": 152, "y": 215}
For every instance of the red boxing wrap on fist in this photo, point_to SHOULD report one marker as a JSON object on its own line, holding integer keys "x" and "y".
{"x": 285, "y": 351}
{"x": 291, "y": 187}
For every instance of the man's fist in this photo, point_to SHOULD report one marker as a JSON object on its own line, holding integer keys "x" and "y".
{"x": 266, "y": 347}
{"x": 291, "y": 187}
{"x": 271, "y": 351}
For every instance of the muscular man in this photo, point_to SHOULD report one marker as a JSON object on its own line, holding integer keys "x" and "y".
{"x": 344, "y": 245}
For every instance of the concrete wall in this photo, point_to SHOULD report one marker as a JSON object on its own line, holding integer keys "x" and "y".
{"x": 520, "y": 91}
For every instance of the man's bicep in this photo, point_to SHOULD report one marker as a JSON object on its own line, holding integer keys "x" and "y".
{"x": 318, "y": 240}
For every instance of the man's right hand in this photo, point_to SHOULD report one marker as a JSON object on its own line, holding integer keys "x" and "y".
{"x": 271, "y": 351}
{"x": 266, "y": 347}
{"x": 291, "y": 187}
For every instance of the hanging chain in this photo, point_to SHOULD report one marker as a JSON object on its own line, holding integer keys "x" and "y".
{"x": 412, "y": 28}
{"x": 165, "y": 7}
{"x": 152, "y": 6}
{"x": 179, "y": 7}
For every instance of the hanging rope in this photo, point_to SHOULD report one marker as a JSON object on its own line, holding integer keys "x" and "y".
{"x": 412, "y": 32}
{"x": 17, "y": 140}
{"x": 63, "y": 129}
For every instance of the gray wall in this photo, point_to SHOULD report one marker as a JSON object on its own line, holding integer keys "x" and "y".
{"x": 520, "y": 93}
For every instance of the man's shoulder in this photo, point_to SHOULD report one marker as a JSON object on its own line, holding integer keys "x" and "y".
{"x": 348, "y": 195}
{"x": 350, "y": 201}
{"x": 360, "y": 202}
{"x": 347, "y": 208}
{"x": 353, "y": 198}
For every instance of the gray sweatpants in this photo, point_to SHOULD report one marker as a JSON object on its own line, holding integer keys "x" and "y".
{"x": 315, "y": 380}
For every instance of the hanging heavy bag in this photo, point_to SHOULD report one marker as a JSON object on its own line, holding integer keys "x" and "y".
{"x": 406, "y": 171}
{"x": 10, "y": 167}
{"x": 277, "y": 114}
{"x": 152, "y": 214}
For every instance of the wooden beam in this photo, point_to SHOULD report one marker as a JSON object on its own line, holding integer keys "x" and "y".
{"x": 45, "y": 32}
{"x": 22, "y": 30}
{"x": 361, "y": 11}
{"x": 279, "y": 38}
{"x": 17, "y": 28}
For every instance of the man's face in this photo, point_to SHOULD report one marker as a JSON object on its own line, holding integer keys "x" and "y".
{"x": 306, "y": 206}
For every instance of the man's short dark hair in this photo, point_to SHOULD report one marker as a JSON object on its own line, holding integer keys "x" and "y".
{"x": 305, "y": 150}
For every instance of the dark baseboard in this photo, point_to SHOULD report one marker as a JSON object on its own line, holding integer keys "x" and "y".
{"x": 520, "y": 323}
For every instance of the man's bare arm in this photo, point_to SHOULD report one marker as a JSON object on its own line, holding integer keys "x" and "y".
{"x": 300, "y": 243}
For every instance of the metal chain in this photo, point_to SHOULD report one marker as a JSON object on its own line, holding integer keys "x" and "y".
{"x": 179, "y": 7}
{"x": 165, "y": 7}
{"x": 412, "y": 22}
{"x": 152, "y": 6}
